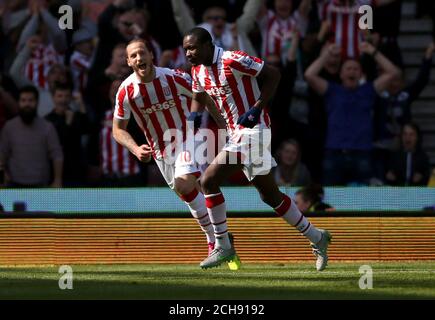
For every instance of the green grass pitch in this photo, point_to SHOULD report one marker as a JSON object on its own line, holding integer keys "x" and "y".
{"x": 398, "y": 280}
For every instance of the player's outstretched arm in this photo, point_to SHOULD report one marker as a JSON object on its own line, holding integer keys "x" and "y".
{"x": 121, "y": 135}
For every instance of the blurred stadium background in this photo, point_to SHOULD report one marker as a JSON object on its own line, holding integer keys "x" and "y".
{"x": 97, "y": 229}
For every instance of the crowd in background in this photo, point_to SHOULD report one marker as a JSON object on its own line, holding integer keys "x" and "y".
{"x": 341, "y": 115}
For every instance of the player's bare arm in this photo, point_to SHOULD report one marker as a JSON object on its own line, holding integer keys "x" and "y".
{"x": 270, "y": 77}
{"x": 390, "y": 71}
{"x": 199, "y": 100}
{"x": 121, "y": 135}
{"x": 215, "y": 113}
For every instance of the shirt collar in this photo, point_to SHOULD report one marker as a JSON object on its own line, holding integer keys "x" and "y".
{"x": 158, "y": 74}
{"x": 218, "y": 51}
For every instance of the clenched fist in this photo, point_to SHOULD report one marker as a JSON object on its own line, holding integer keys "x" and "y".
{"x": 143, "y": 153}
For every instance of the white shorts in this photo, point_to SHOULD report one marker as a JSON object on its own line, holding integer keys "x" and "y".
{"x": 183, "y": 165}
{"x": 255, "y": 147}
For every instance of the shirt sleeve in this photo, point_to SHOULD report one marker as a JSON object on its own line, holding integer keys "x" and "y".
{"x": 244, "y": 64}
{"x": 122, "y": 105}
{"x": 196, "y": 85}
{"x": 183, "y": 82}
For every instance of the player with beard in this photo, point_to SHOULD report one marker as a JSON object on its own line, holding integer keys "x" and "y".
{"x": 159, "y": 100}
{"x": 230, "y": 79}
{"x": 30, "y": 152}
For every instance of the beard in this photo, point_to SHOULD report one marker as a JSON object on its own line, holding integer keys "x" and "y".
{"x": 27, "y": 115}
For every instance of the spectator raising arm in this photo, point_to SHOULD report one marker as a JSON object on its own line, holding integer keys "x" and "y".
{"x": 422, "y": 79}
{"x": 389, "y": 70}
{"x": 56, "y": 35}
{"x": 312, "y": 76}
{"x": 17, "y": 68}
{"x": 31, "y": 26}
{"x": 246, "y": 22}
{"x": 182, "y": 16}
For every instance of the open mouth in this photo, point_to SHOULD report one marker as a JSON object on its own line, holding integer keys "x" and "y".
{"x": 142, "y": 66}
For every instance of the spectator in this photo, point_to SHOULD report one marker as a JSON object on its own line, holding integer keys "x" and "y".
{"x": 98, "y": 87}
{"x": 57, "y": 73}
{"x": 290, "y": 170}
{"x": 393, "y": 110}
{"x": 119, "y": 23}
{"x": 81, "y": 58}
{"x": 51, "y": 47}
{"x": 119, "y": 167}
{"x": 277, "y": 26}
{"x": 410, "y": 165}
{"x": 281, "y": 105}
{"x": 98, "y": 98}
{"x": 394, "y": 107}
{"x": 310, "y": 199}
{"x": 174, "y": 59}
{"x": 225, "y": 35}
{"x": 29, "y": 147}
{"x": 340, "y": 24}
{"x": 349, "y": 107}
{"x": 13, "y": 17}
{"x": 71, "y": 126}
{"x": 317, "y": 117}
{"x": 118, "y": 67}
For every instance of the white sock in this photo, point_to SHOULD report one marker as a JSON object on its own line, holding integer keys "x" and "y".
{"x": 218, "y": 215}
{"x": 291, "y": 214}
{"x": 196, "y": 203}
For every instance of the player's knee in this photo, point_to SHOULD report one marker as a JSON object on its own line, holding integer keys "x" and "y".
{"x": 183, "y": 187}
{"x": 208, "y": 184}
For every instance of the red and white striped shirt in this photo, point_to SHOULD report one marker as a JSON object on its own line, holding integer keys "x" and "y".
{"x": 157, "y": 106}
{"x": 276, "y": 32}
{"x": 115, "y": 159}
{"x": 230, "y": 82}
{"x": 80, "y": 65}
{"x": 41, "y": 59}
{"x": 343, "y": 19}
